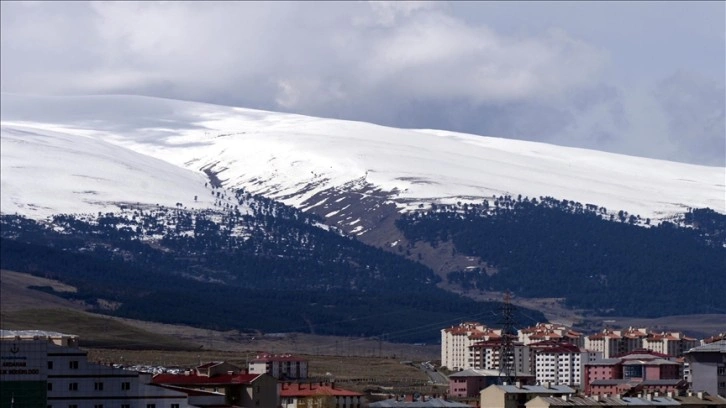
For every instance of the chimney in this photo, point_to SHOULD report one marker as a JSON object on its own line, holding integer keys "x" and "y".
{"x": 700, "y": 394}
{"x": 649, "y": 396}
{"x": 596, "y": 398}
{"x": 518, "y": 384}
{"x": 670, "y": 394}
{"x": 565, "y": 398}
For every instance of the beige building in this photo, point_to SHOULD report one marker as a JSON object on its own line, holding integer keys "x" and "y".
{"x": 517, "y": 395}
{"x": 550, "y": 332}
{"x": 671, "y": 343}
{"x": 456, "y": 341}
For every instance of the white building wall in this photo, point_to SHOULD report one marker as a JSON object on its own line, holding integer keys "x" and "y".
{"x": 72, "y": 381}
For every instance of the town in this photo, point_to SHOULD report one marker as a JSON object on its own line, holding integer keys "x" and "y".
{"x": 541, "y": 366}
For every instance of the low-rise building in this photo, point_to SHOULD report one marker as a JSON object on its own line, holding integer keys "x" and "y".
{"x": 517, "y": 395}
{"x": 240, "y": 388}
{"x": 641, "y": 370}
{"x": 317, "y": 395}
{"x": 48, "y": 369}
{"x": 468, "y": 383}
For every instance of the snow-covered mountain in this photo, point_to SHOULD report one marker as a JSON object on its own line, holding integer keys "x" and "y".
{"x": 80, "y": 154}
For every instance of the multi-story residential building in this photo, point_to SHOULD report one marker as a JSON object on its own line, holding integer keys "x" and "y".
{"x": 707, "y": 365}
{"x": 641, "y": 370}
{"x": 456, "y": 342}
{"x": 47, "y": 369}
{"x": 561, "y": 363}
{"x": 613, "y": 343}
{"x": 670, "y": 343}
{"x": 280, "y": 366}
{"x": 551, "y": 332}
{"x": 487, "y": 355}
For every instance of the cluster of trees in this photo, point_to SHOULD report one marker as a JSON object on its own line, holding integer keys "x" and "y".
{"x": 559, "y": 248}
{"x": 257, "y": 265}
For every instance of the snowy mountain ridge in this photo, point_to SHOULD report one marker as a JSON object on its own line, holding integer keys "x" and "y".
{"x": 80, "y": 154}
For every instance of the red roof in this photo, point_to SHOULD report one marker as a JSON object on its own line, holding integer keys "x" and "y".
{"x": 289, "y": 390}
{"x": 193, "y": 379}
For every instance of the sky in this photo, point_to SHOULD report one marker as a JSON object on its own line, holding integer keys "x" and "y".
{"x": 639, "y": 78}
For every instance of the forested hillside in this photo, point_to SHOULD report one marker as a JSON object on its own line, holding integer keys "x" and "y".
{"x": 272, "y": 269}
{"x": 610, "y": 263}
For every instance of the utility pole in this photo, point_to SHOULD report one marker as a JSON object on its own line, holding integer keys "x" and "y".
{"x": 507, "y": 368}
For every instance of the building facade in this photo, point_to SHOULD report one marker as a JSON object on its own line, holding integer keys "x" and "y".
{"x": 456, "y": 341}
{"x": 561, "y": 363}
{"x": 47, "y": 369}
{"x": 280, "y": 366}
{"x": 707, "y": 366}
{"x": 638, "y": 371}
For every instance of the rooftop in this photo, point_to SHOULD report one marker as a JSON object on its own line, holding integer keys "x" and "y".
{"x": 716, "y": 346}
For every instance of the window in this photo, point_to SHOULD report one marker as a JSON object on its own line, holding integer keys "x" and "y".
{"x": 50, "y": 386}
{"x": 98, "y": 386}
{"x": 125, "y": 386}
{"x": 73, "y": 406}
{"x": 125, "y": 405}
{"x": 174, "y": 405}
{"x": 73, "y": 365}
{"x": 721, "y": 370}
{"x": 98, "y": 406}
{"x": 73, "y": 387}
{"x": 150, "y": 405}
{"x": 50, "y": 365}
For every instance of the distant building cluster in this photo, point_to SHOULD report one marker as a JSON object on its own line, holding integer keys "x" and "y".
{"x": 610, "y": 362}
{"x": 543, "y": 366}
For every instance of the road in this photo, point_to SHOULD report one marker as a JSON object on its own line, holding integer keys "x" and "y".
{"x": 435, "y": 377}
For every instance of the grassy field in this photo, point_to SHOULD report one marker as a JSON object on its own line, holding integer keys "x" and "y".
{"x": 93, "y": 330}
{"x": 349, "y": 372}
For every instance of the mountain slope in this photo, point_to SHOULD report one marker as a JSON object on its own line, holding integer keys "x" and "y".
{"x": 46, "y": 172}
{"x": 300, "y": 160}
{"x": 101, "y": 155}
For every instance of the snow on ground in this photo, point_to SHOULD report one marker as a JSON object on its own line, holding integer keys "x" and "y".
{"x": 46, "y": 172}
{"x": 293, "y": 157}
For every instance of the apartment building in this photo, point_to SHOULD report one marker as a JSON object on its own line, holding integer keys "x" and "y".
{"x": 612, "y": 343}
{"x": 561, "y": 363}
{"x": 550, "y": 332}
{"x": 671, "y": 343}
{"x": 456, "y": 341}
{"x": 487, "y": 355}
